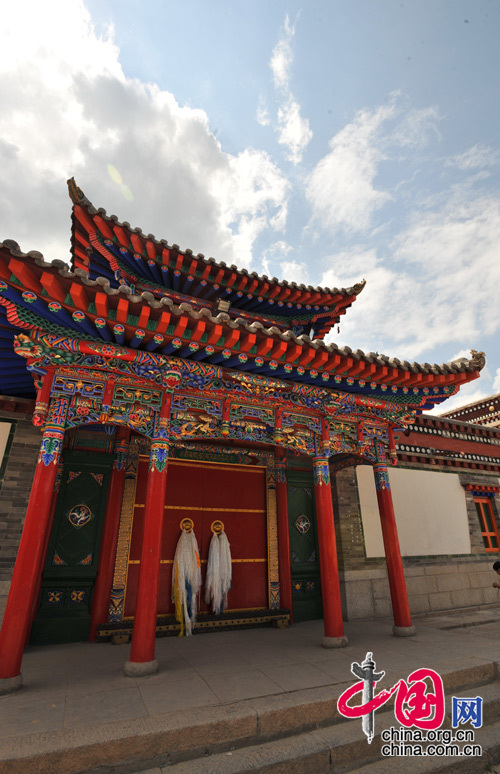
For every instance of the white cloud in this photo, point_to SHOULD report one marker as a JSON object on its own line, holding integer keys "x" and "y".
{"x": 341, "y": 187}
{"x": 263, "y": 115}
{"x": 477, "y": 157}
{"x": 418, "y": 127}
{"x": 68, "y": 109}
{"x": 496, "y": 381}
{"x": 436, "y": 287}
{"x": 295, "y": 271}
{"x": 282, "y": 56}
{"x": 294, "y": 131}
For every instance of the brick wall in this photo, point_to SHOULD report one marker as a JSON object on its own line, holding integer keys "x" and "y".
{"x": 433, "y": 583}
{"x": 15, "y": 489}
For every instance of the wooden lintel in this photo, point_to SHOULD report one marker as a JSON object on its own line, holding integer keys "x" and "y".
{"x": 102, "y": 305}
{"x": 232, "y": 338}
{"x": 53, "y": 286}
{"x": 79, "y": 296}
{"x": 25, "y": 275}
{"x": 214, "y": 335}
{"x": 151, "y": 250}
{"x": 122, "y": 311}
{"x": 198, "y": 330}
{"x": 247, "y": 342}
{"x": 163, "y": 323}
{"x": 278, "y": 350}
{"x": 265, "y": 346}
{"x": 292, "y": 353}
{"x": 206, "y": 272}
{"x": 357, "y": 367}
{"x": 137, "y": 243}
{"x": 218, "y": 276}
{"x": 193, "y": 266}
{"x": 144, "y": 317}
{"x": 102, "y": 226}
{"x": 306, "y": 357}
{"x": 165, "y": 256}
{"x": 121, "y": 236}
{"x": 274, "y": 291}
{"x": 83, "y": 218}
{"x": 232, "y": 279}
{"x": 243, "y": 281}
{"x": 81, "y": 238}
{"x": 180, "y": 325}
{"x": 320, "y": 359}
{"x": 332, "y": 362}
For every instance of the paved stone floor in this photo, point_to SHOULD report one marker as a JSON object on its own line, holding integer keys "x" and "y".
{"x": 81, "y": 685}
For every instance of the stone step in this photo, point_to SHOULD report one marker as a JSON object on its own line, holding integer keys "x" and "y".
{"x": 342, "y": 747}
{"x": 305, "y": 717}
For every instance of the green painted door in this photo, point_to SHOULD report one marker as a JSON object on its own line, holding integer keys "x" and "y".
{"x": 73, "y": 551}
{"x": 304, "y": 558}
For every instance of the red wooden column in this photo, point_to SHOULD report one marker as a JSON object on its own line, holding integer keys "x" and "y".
{"x": 329, "y": 570}
{"x": 142, "y": 652}
{"x": 283, "y": 535}
{"x": 29, "y": 560}
{"x": 403, "y": 626}
{"x": 106, "y": 566}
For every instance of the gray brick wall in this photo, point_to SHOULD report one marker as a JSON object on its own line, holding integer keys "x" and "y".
{"x": 16, "y": 487}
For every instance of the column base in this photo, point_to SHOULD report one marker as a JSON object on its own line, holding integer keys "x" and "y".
{"x": 404, "y": 631}
{"x": 140, "y": 668}
{"x": 334, "y": 642}
{"x": 10, "y": 684}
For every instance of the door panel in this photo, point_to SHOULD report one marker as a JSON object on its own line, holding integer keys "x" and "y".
{"x": 203, "y": 492}
{"x": 73, "y": 551}
{"x": 304, "y": 558}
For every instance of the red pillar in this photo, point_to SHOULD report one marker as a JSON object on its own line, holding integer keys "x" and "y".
{"x": 142, "y": 652}
{"x": 106, "y": 566}
{"x": 283, "y": 536}
{"x": 29, "y": 556}
{"x": 403, "y": 626}
{"x": 330, "y": 585}
{"x": 53, "y": 504}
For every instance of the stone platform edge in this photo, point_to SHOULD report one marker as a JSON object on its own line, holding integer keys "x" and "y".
{"x": 178, "y": 736}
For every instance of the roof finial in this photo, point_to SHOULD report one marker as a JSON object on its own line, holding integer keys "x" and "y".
{"x": 75, "y": 193}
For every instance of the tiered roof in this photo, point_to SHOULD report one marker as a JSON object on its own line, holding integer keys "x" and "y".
{"x": 81, "y": 304}
{"x": 103, "y": 246}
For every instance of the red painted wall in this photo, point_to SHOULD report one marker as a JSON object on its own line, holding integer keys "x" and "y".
{"x": 203, "y": 492}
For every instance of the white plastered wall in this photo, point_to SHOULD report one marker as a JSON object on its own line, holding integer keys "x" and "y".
{"x": 430, "y": 508}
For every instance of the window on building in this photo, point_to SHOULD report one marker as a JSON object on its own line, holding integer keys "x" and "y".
{"x": 487, "y": 521}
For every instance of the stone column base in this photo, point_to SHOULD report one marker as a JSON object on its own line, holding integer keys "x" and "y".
{"x": 334, "y": 642}
{"x": 140, "y": 668}
{"x": 404, "y": 631}
{"x": 10, "y": 684}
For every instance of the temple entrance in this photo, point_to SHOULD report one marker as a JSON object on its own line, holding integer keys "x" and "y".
{"x": 304, "y": 556}
{"x": 73, "y": 550}
{"x": 206, "y": 491}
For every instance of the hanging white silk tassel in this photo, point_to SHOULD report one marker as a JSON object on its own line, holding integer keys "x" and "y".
{"x": 186, "y": 581}
{"x": 219, "y": 573}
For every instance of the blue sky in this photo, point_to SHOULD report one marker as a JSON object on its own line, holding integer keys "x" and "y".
{"x": 322, "y": 142}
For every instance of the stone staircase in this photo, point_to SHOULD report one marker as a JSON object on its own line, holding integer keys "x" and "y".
{"x": 298, "y": 732}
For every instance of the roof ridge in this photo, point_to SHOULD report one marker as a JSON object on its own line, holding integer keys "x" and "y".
{"x": 460, "y": 365}
{"x": 78, "y": 197}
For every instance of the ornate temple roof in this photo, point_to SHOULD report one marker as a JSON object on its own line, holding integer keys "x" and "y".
{"x": 36, "y": 295}
{"x": 481, "y": 412}
{"x": 103, "y": 246}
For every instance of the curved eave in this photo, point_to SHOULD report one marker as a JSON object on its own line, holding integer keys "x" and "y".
{"x": 87, "y": 220}
{"x": 93, "y": 310}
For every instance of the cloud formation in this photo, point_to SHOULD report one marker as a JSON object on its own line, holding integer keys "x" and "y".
{"x": 294, "y": 131}
{"x": 341, "y": 188}
{"x": 68, "y": 109}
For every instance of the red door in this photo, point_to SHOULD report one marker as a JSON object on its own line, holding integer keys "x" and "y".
{"x": 204, "y": 492}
